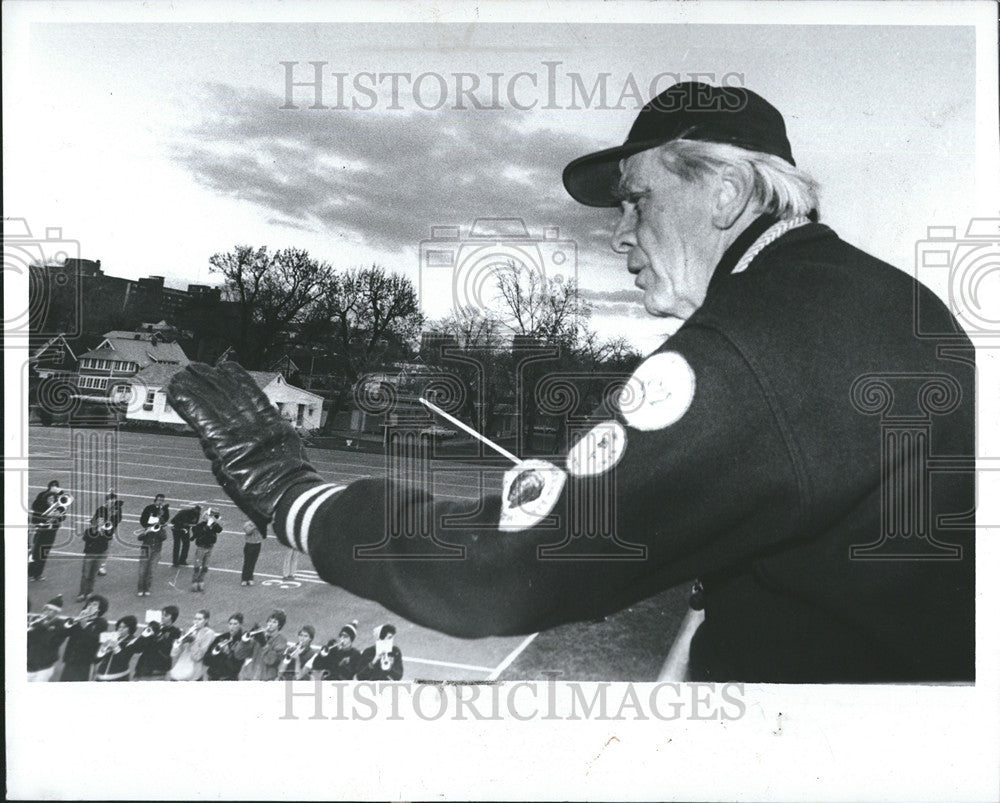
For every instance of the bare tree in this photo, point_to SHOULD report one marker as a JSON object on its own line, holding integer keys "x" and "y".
{"x": 370, "y": 315}
{"x": 272, "y": 292}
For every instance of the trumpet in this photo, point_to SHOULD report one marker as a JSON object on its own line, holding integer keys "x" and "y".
{"x": 150, "y": 528}
{"x": 59, "y": 507}
{"x": 223, "y": 646}
{"x": 148, "y": 631}
{"x": 191, "y": 632}
{"x": 39, "y": 618}
{"x": 293, "y": 652}
{"x": 251, "y": 633}
{"x": 79, "y": 620}
{"x": 113, "y": 645}
{"x": 106, "y": 527}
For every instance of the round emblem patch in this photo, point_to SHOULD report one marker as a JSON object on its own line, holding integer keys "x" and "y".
{"x": 659, "y": 392}
{"x": 530, "y": 491}
{"x": 597, "y": 451}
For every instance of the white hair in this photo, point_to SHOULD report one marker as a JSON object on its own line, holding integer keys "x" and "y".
{"x": 779, "y": 188}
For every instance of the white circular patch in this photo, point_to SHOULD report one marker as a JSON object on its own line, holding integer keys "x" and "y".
{"x": 597, "y": 451}
{"x": 659, "y": 392}
{"x": 530, "y": 491}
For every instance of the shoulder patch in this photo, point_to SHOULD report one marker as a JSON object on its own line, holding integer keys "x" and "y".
{"x": 659, "y": 393}
{"x": 597, "y": 451}
{"x": 530, "y": 491}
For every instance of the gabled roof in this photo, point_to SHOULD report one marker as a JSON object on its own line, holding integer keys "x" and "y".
{"x": 37, "y": 353}
{"x": 157, "y": 375}
{"x": 142, "y": 350}
{"x": 264, "y": 378}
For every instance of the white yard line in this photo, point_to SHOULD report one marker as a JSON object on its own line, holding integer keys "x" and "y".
{"x": 450, "y": 664}
{"x": 512, "y": 657}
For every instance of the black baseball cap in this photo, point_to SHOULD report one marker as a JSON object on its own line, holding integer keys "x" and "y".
{"x": 731, "y": 115}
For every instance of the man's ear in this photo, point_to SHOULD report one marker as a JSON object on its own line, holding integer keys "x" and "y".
{"x": 734, "y": 190}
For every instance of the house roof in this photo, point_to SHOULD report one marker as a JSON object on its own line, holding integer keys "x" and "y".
{"x": 142, "y": 350}
{"x": 156, "y": 375}
{"x": 49, "y": 343}
{"x": 264, "y": 378}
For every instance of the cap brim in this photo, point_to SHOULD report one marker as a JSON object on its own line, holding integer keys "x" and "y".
{"x": 593, "y": 179}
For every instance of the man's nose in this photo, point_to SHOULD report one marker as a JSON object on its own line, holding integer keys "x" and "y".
{"x": 623, "y": 240}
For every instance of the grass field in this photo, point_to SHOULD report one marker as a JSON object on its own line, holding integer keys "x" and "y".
{"x": 629, "y": 645}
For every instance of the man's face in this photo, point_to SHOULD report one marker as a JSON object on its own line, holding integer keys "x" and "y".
{"x": 166, "y": 618}
{"x": 344, "y": 641}
{"x": 122, "y": 629}
{"x": 304, "y": 638}
{"x": 199, "y": 620}
{"x": 272, "y": 626}
{"x": 666, "y": 231}
{"x": 91, "y": 609}
{"x": 159, "y": 500}
{"x": 234, "y": 627}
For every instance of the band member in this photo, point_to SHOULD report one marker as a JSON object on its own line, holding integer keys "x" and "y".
{"x": 46, "y": 516}
{"x": 46, "y": 632}
{"x": 339, "y": 659}
{"x": 251, "y": 551}
{"x": 153, "y": 520}
{"x": 205, "y": 533}
{"x": 383, "y": 660}
{"x": 155, "y": 644}
{"x": 296, "y": 660}
{"x": 96, "y": 539}
{"x": 115, "y": 654}
{"x": 84, "y": 639}
{"x": 189, "y": 650}
{"x": 221, "y": 661}
{"x": 264, "y": 647}
{"x": 111, "y": 513}
{"x": 181, "y": 527}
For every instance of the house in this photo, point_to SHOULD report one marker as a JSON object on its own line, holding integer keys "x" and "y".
{"x": 303, "y": 409}
{"x": 147, "y": 397}
{"x": 106, "y": 371}
{"x": 54, "y": 357}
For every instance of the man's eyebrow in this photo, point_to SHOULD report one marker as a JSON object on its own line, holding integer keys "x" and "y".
{"x": 625, "y": 190}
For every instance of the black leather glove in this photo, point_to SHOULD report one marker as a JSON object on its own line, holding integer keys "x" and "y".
{"x": 256, "y": 455}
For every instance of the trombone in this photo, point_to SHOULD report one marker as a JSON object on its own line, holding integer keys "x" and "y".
{"x": 39, "y": 618}
{"x": 59, "y": 507}
{"x": 150, "y": 528}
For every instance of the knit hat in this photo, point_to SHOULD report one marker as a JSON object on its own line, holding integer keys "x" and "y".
{"x": 56, "y": 602}
{"x": 351, "y": 628}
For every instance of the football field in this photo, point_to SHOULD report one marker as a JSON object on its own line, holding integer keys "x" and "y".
{"x": 627, "y": 646}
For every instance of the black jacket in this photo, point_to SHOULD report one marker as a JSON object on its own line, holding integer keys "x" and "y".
{"x": 780, "y": 446}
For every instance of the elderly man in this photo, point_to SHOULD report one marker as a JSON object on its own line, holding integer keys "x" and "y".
{"x": 775, "y": 449}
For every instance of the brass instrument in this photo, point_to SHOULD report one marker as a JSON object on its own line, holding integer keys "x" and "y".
{"x": 106, "y": 527}
{"x": 83, "y": 618}
{"x": 147, "y": 631}
{"x": 251, "y": 633}
{"x": 59, "y": 507}
{"x": 191, "y": 632}
{"x": 112, "y": 645}
{"x": 223, "y": 646}
{"x": 39, "y": 618}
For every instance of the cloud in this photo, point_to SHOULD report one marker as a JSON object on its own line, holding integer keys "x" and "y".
{"x": 383, "y": 177}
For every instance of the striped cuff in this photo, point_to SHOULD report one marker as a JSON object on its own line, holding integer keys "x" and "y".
{"x": 292, "y": 525}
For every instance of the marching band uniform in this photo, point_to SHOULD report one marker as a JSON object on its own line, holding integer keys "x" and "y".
{"x": 152, "y": 543}
{"x": 181, "y": 528}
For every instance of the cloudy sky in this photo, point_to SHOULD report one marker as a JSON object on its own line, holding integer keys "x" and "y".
{"x": 157, "y": 145}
